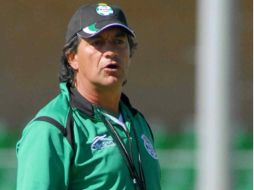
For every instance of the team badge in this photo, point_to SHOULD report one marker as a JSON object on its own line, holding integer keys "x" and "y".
{"x": 104, "y": 10}
{"x": 149, "y": 147}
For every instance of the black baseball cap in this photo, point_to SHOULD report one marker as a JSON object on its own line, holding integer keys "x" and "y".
{"x": 91, "y": 19}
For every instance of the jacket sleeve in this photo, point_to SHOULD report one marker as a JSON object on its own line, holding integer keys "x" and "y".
{"x": 43, "y": 155}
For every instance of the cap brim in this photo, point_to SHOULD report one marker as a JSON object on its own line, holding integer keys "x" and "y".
{"x": 86, "y": 33}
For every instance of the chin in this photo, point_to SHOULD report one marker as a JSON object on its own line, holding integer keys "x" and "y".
{"x": 114, "y": 83}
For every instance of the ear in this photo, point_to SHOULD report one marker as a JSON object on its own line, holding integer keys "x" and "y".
{"x": 73, "y": 61}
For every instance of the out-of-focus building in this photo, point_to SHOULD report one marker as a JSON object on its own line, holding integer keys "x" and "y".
{"x": 162, "y": 76}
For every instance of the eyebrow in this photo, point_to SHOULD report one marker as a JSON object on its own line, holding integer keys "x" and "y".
{"x": 121, "y": 33}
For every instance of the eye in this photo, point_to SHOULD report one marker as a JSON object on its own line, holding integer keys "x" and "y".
{"x": 97, "y": 42}
{"x": 119, "y": 41}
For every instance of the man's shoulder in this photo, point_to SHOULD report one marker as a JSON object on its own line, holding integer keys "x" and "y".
{"x": 136, "y": 113}
{"x": 56, "y": 108}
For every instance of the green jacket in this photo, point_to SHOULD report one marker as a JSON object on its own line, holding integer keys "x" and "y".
{"x": 47, "y": 160}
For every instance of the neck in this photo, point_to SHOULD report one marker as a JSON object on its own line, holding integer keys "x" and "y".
{"x": 106, "y": 98}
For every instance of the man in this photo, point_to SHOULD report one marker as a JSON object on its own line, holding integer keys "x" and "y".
{"x": 89, "y": 136}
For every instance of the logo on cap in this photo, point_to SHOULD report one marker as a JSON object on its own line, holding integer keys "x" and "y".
{"x": 91, "y": 29}
{"x": 104, "y": 10}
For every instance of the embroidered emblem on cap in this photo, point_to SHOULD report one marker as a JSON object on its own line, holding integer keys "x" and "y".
{"x": 104, "y": 10}
{"x": 91, "y": 29}
{"x": 149, "y": 147}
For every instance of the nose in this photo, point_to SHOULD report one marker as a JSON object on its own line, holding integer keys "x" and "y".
{"x": 110, "y": 51}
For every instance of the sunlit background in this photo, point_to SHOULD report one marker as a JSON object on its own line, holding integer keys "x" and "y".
{"x": 162, "y": 80}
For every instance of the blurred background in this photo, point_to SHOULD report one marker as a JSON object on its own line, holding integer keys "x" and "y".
{"x": 161, "y": 81}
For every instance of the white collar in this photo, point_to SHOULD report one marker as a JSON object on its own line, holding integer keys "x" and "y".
{"x": 118, "y": 120}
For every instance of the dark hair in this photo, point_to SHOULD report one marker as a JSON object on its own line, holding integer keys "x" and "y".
{"x": 66, "y": 72}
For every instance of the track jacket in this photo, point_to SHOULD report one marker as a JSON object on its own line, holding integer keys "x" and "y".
{"x": 47, "y": 160}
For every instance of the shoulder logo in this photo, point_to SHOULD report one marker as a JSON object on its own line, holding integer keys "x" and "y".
{"x": 149, "y": 147}
{"x": 101, "y": 142}
{"x": 104, "y": 10}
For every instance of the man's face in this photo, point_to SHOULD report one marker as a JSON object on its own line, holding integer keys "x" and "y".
{"x": 102, "y": 61}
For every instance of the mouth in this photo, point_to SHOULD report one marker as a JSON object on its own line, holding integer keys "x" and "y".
{"x": 112, "y": 66}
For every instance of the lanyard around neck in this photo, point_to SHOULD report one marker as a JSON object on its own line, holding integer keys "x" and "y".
{"x": 138, "y": 180}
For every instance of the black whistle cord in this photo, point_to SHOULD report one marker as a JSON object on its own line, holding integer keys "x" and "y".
{"x": 138, "y": 182}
